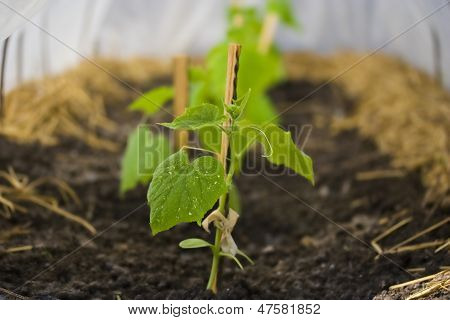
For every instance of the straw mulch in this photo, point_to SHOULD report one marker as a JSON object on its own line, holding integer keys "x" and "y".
{"x": 72, "y": 104}
{"x": 402, "y": 109}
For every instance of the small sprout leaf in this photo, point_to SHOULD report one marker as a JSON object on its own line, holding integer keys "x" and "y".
{"x": 242, "y": 103}
{"x": 153, "y": 100}
{"x": 230, "y": 256}
{"x": 183, "y": 191}
{"x": 194, "y": 118}
{"x": 194, "y": 243}
{"x": 236, "y": 108}
{"x": 242, "y": 253}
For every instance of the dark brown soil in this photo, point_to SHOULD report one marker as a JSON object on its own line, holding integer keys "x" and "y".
{"x": 287, "y": 226}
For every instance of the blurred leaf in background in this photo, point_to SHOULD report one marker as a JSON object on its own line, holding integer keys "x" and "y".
{"x": 151, "y": 101}
{"x": 144, "y": 152}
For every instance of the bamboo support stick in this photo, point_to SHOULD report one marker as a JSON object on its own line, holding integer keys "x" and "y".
{"x": 234, "y": 51}
{"x": 268, "y": 31}
{"x": 181, "y": 84}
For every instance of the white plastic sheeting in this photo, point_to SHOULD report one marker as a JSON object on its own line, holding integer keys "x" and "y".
{"x": 10, "y": 21}
{"x": 120, "y": 28}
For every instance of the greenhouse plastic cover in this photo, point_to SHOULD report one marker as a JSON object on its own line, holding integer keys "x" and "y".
{"x": 52, "y": 35}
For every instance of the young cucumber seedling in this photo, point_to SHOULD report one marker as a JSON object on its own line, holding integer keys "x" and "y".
{"x": 184, "y": 191}
{"x": 261, "y": 68}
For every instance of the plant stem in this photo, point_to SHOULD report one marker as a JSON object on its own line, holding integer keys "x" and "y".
{"x": 212, "y": 282}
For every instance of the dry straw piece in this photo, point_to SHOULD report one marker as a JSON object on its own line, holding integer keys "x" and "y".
{"x": 72, "y": 104}
{"x": 402, "y": 109}
{"x": 16, "y": 190}
{"x": 426, "y": 286}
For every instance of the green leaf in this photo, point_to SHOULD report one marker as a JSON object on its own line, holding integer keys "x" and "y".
{"x": 260, "y": 110}
{"x": 194, "y": 118}
{"x": 284, "y": 10}
{"x": 279, "y": 147}
{"x": 153, "y": 100}
{"x": 211, "y": 138}
{"x": 246, "y": 33}
{"x": 182, "y": 191}
{"x": 268, "y": 67}
{"x": 230, "y": 256}
{"x": 217, "y": 69}
{"x": 198, "y": 86}
{"x": 236, "y": 108}
{"x": 285, "y": 152}
{"x": 242, "y": 138}
{"x": 194, "y": 243}
{"x": 144, "y": 152}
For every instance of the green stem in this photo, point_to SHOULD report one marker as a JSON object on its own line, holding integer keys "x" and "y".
{"x": 212, "y": 282}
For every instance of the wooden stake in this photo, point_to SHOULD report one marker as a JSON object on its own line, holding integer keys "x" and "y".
{"x": 234, "y": 51}
{"x": 268, "y": 31}
{"x": 181, "y": 84}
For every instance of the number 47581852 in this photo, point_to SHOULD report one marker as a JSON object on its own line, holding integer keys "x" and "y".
{"x": 284, "y": 308}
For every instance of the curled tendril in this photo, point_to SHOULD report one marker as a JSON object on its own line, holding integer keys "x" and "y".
{"x": 267, "y": 139}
